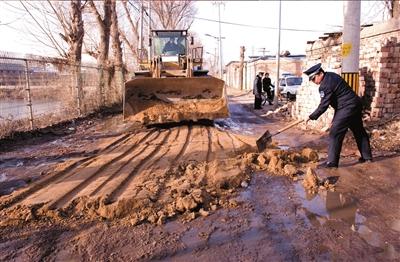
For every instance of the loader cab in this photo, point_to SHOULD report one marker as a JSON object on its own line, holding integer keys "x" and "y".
{"x": 169, "y": 42}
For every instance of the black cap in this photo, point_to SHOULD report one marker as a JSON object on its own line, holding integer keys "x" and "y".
{"x": 313, "y": 70}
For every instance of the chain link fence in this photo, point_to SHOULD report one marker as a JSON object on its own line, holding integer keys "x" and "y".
{"x": 36, "y": 92}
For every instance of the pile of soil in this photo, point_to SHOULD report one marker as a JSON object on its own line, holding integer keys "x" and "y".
{"x": 189, "y": 190}
{"x": 385, "y": 136}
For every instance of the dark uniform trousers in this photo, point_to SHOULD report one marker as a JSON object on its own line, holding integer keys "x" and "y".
{"x": 257, "y": 89}
{"x": 347, "y": 118}
{"x": 257, "y": 101}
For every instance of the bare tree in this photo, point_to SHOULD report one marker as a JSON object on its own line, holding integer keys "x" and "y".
{"x": 130, "y": 35}
{"x": 104, "y": 28}
{"x": 393, "y": 8}
{"x": 117, "y": 49}
{"x": 174, "y": 14}
{"x": 60, "y": 24}
{"x": 63, "y": 29}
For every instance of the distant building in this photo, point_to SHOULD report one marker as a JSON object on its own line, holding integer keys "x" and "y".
{"x": 289, "y": 64}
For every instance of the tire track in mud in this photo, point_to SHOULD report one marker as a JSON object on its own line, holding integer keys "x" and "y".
{"x": 155, "y": 168}
{"x": 43, "y": 183}
{"x": 225, "y": 143}
{"x": 239, "y": 149}
{"x": 196, "y": 145}
{"x": 57, "y": 188}
{"x": 233, "y": 143}
{"x": 91, "y": 177}
{"x": 112, "y": 170}
{"x": 98, "y": 154}
{"x": 116, "y": 192}
{"x": 209, "y": 146}
{"x": 169, "y": 145}
{"x": 117, "y": 171}
{"x": 120, "y": 171}
{"x": 219, "y": 141}
{"x": 240, "y": 140}
{"x": 185, "y": 145}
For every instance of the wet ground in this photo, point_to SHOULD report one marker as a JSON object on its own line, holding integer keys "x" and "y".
{"x": 267, "y": 218}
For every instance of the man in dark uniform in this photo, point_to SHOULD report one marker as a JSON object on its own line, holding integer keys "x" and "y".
{"x": 334, "y": 91}
{"x": 170, "y": 46}
{"x": 257, "y": 89}
{"x": 266, "y": 84}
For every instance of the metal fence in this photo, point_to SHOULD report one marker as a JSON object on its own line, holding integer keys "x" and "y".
{"x": 37, "y": 92}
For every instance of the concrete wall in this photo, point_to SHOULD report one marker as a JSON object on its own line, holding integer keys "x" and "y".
{"x": 379, "y": 71}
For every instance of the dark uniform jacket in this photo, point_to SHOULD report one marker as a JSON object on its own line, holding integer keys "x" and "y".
{"x": 334, "y": 91}
{"x": 266, "y": 83}
{"x": 257, "y": 86}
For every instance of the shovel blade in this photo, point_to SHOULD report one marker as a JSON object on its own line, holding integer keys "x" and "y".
{"x": 263, "y": 141}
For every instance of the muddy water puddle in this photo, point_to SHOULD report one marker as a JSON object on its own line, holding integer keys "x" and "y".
{"x": 334, "y": 206}
{"x": 283, "y": 147}
{"x": 236, "y": 127}
{"x": 328, "y": 205}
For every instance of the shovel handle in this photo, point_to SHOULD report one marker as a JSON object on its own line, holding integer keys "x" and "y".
{"x": 289, "y": 126}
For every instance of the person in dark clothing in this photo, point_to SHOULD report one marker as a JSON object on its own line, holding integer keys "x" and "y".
{"x": 266, "y": 84}
{"x": 334, "y": 91}
{"x": 171, "y": 46}
{"x": 257, "y": 90}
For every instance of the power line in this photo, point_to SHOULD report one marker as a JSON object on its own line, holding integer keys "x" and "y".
{"x": 258, "y": 26}
{"x": 13, "y": 21}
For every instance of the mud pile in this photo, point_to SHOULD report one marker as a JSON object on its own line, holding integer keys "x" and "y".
{"x": 189, "y": 190}
{"x": 386, "y": 136}
{"x": 297, "y": 165}
{"x": 283, "y": 162}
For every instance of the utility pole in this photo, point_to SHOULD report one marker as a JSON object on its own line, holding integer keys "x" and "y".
{"x": 242, "y": 49}
{"x": 278, "y": 59}
{"x": 395, "y": 8}
{"x": 351, "y": 43}
{"x": 263, "y": 50}
{"x": 220, "y": 39}
{"x": 141, "y": 27}
{"x": 148, "y": 44}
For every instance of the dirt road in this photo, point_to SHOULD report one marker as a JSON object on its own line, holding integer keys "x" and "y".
{"x": 100, "y": 190}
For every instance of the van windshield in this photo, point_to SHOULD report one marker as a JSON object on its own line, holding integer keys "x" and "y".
{"x": 294, "y": 81}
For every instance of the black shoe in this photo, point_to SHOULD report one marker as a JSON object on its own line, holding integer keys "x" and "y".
{"x": 362, "y": 160}
{"x": 331, "y": 165}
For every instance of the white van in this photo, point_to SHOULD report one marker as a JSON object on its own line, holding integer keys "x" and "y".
{"x": 288, "y": 86}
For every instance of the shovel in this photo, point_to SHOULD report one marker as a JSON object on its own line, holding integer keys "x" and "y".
{"x": 266, "y": 138}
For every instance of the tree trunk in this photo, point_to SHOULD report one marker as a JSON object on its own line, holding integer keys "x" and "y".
{"x": 242, "y": 49}
{"x": 104, "y": 46}
{"x": 117, "y": 53}
{"x": 396, "y": 8}
{"x": 75, "y": 40}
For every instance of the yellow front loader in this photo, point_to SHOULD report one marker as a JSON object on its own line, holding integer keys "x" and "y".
{"x": 172, "y": 86}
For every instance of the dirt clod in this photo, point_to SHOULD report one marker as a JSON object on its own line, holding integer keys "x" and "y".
{"x": 310, "y": 154}
{"x": 290, "y": 170}
{"x": 310, "y": 181}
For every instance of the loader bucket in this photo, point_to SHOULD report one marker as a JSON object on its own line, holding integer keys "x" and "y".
{"x": 166, "y": 100}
